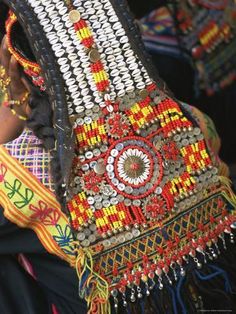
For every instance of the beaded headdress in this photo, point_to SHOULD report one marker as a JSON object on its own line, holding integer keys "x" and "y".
{"x": 143, "y": 195}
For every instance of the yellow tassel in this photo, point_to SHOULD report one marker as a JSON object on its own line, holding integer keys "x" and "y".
{"x": 92, "y": 287}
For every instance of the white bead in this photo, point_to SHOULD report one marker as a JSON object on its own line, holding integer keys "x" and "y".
{"x": 75, "y": 95}
{"x": 63, "y": 11}
{"x": 39, "y": 9}
{"x": 120, "y": 32}
{"x": 64, "y": 68}
{"x": 45, "y": 22}
{"x": 79, "y": 109}
{"x": 48, "y": 28}
{"x": 73, "y": 88}
{"x": 56, "y": 47}
{"x": 70, "y": 81}
{"x": 59, "y": 53}
{"x": 89, "y": 105}
{"x": 42, "y": 15}
{"x": 62, "y": 61}
{"x": 67, "y": 75}
{"x": 85, "y": 91}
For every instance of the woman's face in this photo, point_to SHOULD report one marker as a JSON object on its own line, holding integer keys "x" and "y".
{"x": 10, "y": 125}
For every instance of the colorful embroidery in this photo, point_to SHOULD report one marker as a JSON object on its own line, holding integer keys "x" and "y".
{"x": 29, "y": 204}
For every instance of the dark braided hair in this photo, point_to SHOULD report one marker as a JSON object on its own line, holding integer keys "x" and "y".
{"x": 40, "y": 122}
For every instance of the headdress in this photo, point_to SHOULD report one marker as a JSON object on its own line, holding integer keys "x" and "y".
{"x": 142, "y": 194}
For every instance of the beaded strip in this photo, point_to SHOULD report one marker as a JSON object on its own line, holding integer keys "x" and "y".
{"x": 32, "y": 69}
{"x": 85, "y": 36}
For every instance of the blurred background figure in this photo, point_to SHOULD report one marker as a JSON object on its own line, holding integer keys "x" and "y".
{"x": 193, "y": 45}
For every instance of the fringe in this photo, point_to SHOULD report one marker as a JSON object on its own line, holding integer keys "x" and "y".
{"x": 210, "y": 288}
{"x": 92, "y": 287}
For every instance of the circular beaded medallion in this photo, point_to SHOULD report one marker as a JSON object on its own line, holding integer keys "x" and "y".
{"x": 133, "y": 166}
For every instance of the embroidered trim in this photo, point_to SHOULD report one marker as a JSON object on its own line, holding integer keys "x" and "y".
{"x": 29, "y": 204}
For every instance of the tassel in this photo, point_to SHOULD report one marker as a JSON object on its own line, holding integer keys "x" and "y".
{"x": 92, "y": 287}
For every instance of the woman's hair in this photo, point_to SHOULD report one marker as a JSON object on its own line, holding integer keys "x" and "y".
{"x": 41, "y": 123}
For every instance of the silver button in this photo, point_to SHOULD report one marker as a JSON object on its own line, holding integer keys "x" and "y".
{"x": 85, "y": 243}
{"x": 93, "y": 227}
{"x": 158, "y": 190}
{"x": 136, "y": 233}
{"x": 92, "y": 238}
{"x": 81, "y": 236}
{"x": 87, "y": 232}
{"x": 100, "y": 168}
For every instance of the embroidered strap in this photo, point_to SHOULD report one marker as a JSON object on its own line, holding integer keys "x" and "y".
{"x": 29, "y": 204}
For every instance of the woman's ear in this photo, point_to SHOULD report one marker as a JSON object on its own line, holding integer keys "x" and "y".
{"x": 27, "y": 110}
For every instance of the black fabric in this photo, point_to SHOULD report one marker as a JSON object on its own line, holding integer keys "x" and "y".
{"x": 141, "y": 8}
{"x": 19, "y": 292}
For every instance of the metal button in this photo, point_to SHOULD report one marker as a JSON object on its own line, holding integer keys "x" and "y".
{"x": 120, "y": 198}
{"x": 96, "y": 152}
{"x": 92, "y": 238}
{"x": 113, "y": 240}
{"x": 107, "y": 243}
{"x": 94, "y": 55}
{"x": 107, "y": 190}
{"x": 74, "y": 16}
{"x": 127, "y": 202}
{"x": 158, "y": 190}
{"x": 128, "y": 189}
{"x": 98, "y": 198}
{"x": 106, "y": 203}
{"x": 137, "y": 203}
{"x": 196, "y": 131}
{"x": 103, "y": 148}
{"x": 98, "y": 205}
{"x": 121, "y": 238}
{"x": 85, "y": 243}
{"x": 100, "y": 168}
{"x": 114, "y": 201}
{"x": 87, "y": 232}
{"x": 93, "y": 227}
{"x": 119, "y": 146}
{"x": 136, "y": 233}
{"x": 143, "y": 94}
{"x": 81, "y": 236}
{"x": 128, "y": 236}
